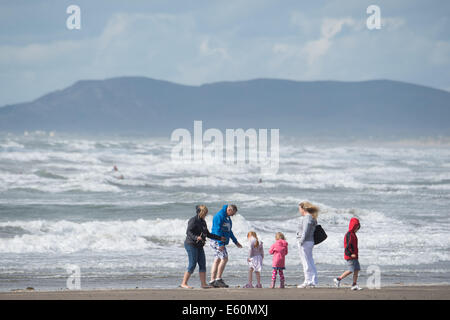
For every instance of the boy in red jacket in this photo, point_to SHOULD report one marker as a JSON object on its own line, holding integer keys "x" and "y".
{"x": 351, "y": 254}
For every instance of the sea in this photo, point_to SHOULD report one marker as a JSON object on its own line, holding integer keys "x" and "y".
{"x": 68, "y": 220}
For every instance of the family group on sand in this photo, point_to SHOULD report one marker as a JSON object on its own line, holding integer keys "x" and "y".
{"x": 221, "y": 233}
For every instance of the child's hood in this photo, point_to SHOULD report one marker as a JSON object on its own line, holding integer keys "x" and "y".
{"x": 354, "y": 223}
{"x": 282, "y": 243}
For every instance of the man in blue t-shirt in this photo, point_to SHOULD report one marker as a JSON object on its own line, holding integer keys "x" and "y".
{"x": 222, "y": 226}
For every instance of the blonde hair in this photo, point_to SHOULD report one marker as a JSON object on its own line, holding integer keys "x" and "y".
{"x": 202, "y": 211}
{"x": 253, "y": 234}
{"x": 310, "y": 208}
{"x": 279, "y": 235}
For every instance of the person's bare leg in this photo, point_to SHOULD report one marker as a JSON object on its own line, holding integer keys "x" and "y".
{"x": 214, "y": 268}
{"x": 186, "y": 277}
{"x": 203, "y": 280}
{"x": 258, "y": 278}
{"x": 250, "y": 276}
{"x": 355, "y": 277}
{"x": 221, "y": 268}
{"x": 344, "y": 275}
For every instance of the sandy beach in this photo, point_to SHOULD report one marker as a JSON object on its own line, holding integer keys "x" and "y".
{"x": 385, "y": 293}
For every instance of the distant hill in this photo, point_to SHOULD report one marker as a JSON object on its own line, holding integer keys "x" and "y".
{"x": 148, "y": 106}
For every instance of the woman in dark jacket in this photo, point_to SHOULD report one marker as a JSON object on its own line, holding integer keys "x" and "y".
{"x": 196, "y": 234}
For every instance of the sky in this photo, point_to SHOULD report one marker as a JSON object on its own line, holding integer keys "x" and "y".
{"x": 194, "y": 42}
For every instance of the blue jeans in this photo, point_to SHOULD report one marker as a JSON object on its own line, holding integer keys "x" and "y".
{"x": 195, "y": 255}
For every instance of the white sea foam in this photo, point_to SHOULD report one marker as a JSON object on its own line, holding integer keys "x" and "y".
{"x": 67, "y": 237}
{"x": 11, "y": 144}
{"x": 307, "y": 167}
{"x": 379, "y": 244}
{"x": 76, "y": 175}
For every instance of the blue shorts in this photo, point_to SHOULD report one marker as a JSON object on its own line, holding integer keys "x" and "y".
{"x": 353, "y": 265}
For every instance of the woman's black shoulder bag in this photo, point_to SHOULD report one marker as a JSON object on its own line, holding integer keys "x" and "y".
{"x": 319, "y": 234}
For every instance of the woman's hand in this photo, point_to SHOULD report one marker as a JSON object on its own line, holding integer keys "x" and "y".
{"x": 238, "y": 245}
{"x": 353, "y": 256}
{"x": 199, "y": 238}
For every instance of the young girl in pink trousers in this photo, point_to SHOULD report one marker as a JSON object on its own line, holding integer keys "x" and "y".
{"x": 279, "y": 250}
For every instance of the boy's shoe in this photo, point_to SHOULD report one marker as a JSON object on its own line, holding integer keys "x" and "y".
{"x": 356, "y": 287}
{"x": 259, "y": 285}
{"x": 248, "y": 285}
{"x": 213, "y": 284}
{"x": 337, "y": 282}
{"x": 302, "y": 286}
{"x": 221, "y": 284}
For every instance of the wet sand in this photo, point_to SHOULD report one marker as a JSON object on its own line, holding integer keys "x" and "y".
{"x": 385, "y": 293}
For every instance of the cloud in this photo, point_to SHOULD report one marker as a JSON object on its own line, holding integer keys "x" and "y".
{"x": 392, "y": 22}
{"x": 206, "y": 49}
{"x": 308, "y": 53}
{"x": 217, "y": 42}
{"x": 329, "y": 29}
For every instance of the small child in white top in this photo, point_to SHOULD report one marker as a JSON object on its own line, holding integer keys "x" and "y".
{"x": 255, "y": 259}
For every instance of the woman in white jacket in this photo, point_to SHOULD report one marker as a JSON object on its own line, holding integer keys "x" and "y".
{"x": 305, "y": 238}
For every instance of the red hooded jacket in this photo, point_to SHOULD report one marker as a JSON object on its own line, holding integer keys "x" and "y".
{"x": 351, "y": 240}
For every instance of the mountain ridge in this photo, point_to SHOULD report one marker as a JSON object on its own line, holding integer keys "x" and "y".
{"x": 157, "y": 107}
